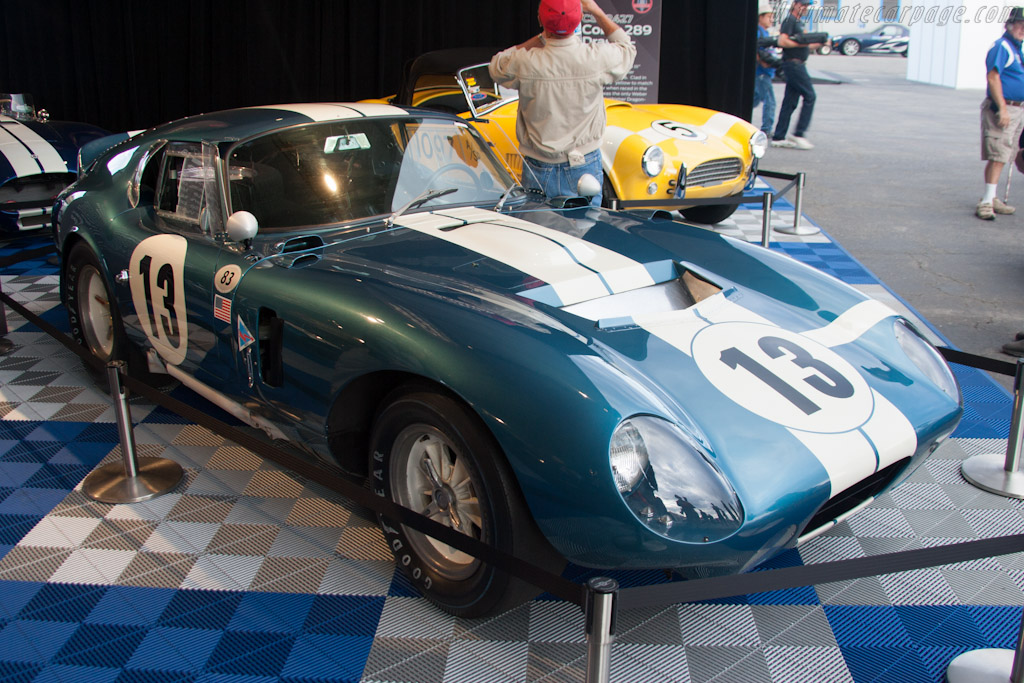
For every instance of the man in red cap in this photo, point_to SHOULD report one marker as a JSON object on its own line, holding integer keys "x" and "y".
{"x": 561, "y": 82}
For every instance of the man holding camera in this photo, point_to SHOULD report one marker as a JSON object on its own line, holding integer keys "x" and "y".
{"x": 798, "y": 82}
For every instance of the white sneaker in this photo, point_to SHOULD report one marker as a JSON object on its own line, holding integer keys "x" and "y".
{"x": 800, "y": 142}
{"x": 783, "y": 143}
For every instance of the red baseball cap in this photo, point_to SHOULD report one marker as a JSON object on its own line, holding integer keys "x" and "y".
{"x": 560, "y": 17}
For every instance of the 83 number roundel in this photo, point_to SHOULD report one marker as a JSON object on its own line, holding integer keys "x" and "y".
{"x": 156, "y": 274}
{"x": 784, "y": 377}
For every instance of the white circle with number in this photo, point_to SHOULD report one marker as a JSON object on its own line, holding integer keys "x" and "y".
{"x": 156, "y": 274}
{"x": 783, "y": 377}
{"x": 227, "y": 278}
{"x": 679, "y": 131}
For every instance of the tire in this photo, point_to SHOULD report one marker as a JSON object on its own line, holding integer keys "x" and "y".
{"x": 709, "y": 213}
{"x": 95, "y": 321}
{"x": 470, "y": 482}
{"x": 825, "y": 50}
{"x": 849, "y": 47}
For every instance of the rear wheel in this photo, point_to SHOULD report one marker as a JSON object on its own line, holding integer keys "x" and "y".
{"x": 429, "y": 453}
{"x": 709, "y": 213}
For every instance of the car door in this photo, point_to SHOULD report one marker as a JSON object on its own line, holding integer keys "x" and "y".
{"x": 172, "y": 270}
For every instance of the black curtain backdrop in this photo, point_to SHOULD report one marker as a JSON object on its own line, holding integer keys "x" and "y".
{"x": 124, "y": 64}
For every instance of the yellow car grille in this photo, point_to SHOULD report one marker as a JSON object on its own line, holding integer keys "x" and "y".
{"x": 714, "y": 172}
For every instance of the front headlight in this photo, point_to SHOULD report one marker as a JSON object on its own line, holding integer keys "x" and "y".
{"x": 670, "y": 484}
{"x": 926, "y": 357}
{"x": 758, "y": 144}
{"x": 653, "y": 161}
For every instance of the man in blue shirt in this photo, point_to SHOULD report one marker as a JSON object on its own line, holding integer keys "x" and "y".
{"x": 765, "y": 72}
{"x": 1002, "y": 112}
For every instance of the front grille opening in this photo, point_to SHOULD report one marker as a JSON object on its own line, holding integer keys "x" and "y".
{"x": 35, "y": 188}
{"x": 714, "y": 172}
{"x": 856, "y": 494}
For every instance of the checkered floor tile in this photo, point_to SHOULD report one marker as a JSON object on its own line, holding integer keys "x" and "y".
{"x": 248, "y": 573}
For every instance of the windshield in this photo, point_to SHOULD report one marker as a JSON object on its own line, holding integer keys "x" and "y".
{"x": 341, "y": 171}
{"x": 482, "y": 93}
{"x": 17, "y": 105}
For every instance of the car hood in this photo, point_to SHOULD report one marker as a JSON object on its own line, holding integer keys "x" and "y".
{"x": 772, "y": 358}
{"x": 34, "y": 147}
{"x": 691, "y": 133}
{"x": 793, "y": 355}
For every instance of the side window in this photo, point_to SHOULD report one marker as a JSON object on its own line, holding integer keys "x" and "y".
{"x": 181, "y": 189}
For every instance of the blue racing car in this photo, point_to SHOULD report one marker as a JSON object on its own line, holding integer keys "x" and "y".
{"x": 615, "y": 389}
{"x": 38, "y": 159}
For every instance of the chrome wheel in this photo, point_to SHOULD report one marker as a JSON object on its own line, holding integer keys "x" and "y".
{"x": 432, "y": 477}
{"x": 94, "y": 309}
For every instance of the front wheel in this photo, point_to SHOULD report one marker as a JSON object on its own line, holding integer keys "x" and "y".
{"x": 94, "y": 318}
{"x": 849, "y": 47}
{"x": 825, "y": 50}
{"x": 430, "y": 454}
{"x": 709, "y": 213}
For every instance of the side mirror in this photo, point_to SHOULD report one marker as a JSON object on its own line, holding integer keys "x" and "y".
{"x": 242, "y": 226}
{"x": 588, "y": 186}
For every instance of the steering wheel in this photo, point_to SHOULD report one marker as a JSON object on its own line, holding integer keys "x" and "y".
{"x": 452, "y": 168}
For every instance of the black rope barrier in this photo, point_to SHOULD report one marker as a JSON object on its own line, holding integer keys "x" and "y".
{"x": 1001, "y": 367}
{"x": 813, "y": 574}
{"x": 743, "y": 198}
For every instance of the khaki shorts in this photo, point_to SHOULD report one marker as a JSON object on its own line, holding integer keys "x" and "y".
{"x": 1000, "y": 144}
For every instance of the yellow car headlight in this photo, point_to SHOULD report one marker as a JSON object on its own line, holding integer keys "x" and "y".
{"x": 653, "y": 161}
{"x": 758, "y": 144}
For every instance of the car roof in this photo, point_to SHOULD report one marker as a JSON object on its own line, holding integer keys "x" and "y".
{"x": 242, "y": 123}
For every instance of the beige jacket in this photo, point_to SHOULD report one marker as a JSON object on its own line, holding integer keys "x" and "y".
{"x": 561, "y": 96}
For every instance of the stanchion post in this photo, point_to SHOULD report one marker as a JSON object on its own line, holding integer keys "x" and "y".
{"x": 1000, "y": 473}
{"x": 131, "y": 480}
{"x": 5, "y": 343}
{"x": 600, "y": 615}
{"x": 989, "y": 665}
{"x": 799, "y": 206}
{"x": 766, "y": 219}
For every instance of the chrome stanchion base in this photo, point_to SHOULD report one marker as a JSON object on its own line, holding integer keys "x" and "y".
{"x": 990, "y": 665}
{"x": 109, "y": 484}
{"x": 797, "y": 230}
{"x": 988, "y": 472}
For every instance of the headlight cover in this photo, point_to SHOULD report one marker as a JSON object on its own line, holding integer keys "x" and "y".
{"x": 926, "y": 357}
{"x": 758, "y": 144}
{"x": 653, "y": 161}
{"x": 669, "y": 483}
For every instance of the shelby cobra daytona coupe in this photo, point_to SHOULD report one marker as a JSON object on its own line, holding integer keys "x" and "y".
{"x": 560, "y": 381}
{"x": 38, "y": 159}
{"x": 650, "y": 151}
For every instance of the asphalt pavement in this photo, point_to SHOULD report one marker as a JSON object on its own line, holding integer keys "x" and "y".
{"x": 894, "y": 177}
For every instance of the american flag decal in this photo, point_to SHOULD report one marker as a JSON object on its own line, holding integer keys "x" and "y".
{"x": 222, "y": 308}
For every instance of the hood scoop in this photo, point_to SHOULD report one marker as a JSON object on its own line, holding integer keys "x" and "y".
{"x": 300, "y": 252}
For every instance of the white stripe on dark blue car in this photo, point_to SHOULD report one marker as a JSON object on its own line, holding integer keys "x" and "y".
{"x": 333, "y": 112}
{"x": 573, "y": 269}
{"x": 48, "y": 158}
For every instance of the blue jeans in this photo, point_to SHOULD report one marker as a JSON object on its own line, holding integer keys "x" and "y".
{"x": 559, "y": 180}
{"x": 763, "y": 92}
{"x": 798, "y": 84}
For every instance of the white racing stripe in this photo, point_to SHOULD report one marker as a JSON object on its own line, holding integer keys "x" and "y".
{"x": 17, "y": 154}
{"x": 853, "y": 322}
{"x": 574, "y": 269}
{"x": 719, "y": 125}
{"x": 323, "y": 111}
{"x": 44, "y": 153}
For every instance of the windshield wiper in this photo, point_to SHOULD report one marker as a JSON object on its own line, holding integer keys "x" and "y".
{"x": 508, "y": 193}
{"x": 423, "y": 198}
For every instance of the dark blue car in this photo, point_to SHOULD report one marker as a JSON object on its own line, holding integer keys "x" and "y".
{"x": 885, "y": 39}
{"x": 38, "y": 159}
